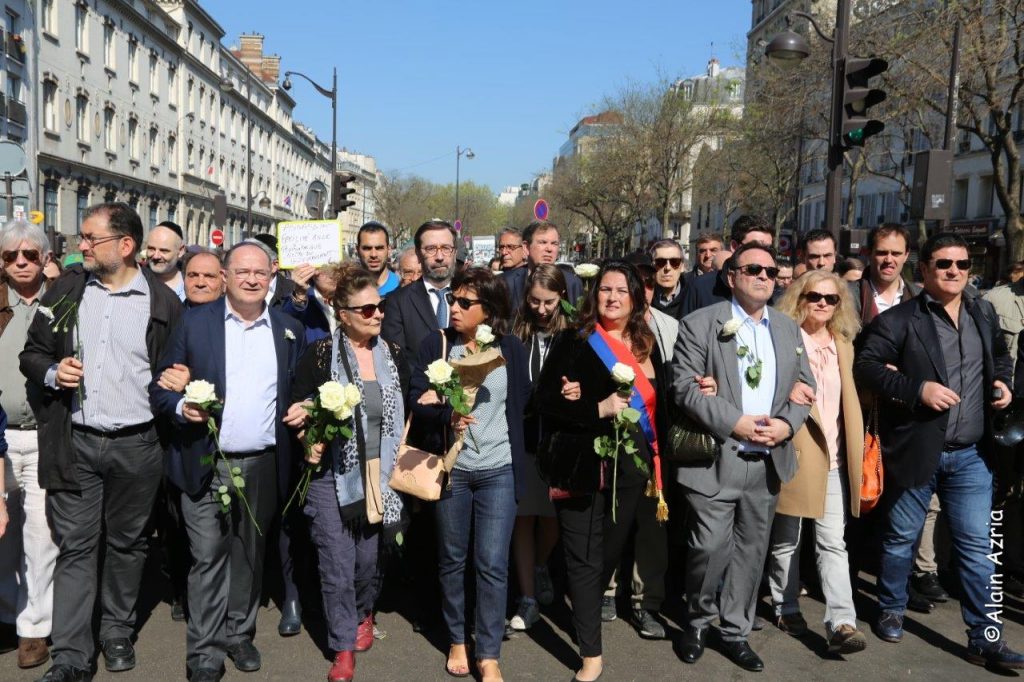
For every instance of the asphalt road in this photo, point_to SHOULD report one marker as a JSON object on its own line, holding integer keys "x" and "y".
{"x": 932, "y": 650}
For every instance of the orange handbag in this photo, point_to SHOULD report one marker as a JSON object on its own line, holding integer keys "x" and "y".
{"x": 873, "y": 473}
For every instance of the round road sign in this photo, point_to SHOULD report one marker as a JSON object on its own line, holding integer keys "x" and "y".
{"x": 458, "y": 226}
{"x": 540, "y": 210}
{"x": 217, "y": 237}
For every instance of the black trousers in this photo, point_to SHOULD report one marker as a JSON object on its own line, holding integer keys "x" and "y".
{"x": 593, "y": 546}
{"x": 119, "y": 476}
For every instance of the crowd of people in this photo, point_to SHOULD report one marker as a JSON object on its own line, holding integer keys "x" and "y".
{"x": 646, "y": 417}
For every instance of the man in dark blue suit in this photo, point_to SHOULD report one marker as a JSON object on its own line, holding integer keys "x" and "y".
{"x": 542, "y": 241}
{"x": 248, "y": 351}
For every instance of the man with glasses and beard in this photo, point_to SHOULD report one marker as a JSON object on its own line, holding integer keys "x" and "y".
{"x": 165, "y": 247}
{"x": 940, "y": 368}
{"x": 91, "y": 352}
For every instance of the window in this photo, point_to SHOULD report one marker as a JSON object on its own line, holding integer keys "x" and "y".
{"x": 154, "y": 75}
{"x": 133, "y": 60}
{"x": 960, "y": 195}
{"x": 985, "y": 195}
{"x": 191, "y": 96}
{"x": 82, "y": 118}
{"x": 81, "y": 203}
{"x": 109, "y": 52}
{"x": 109, "y": 136}
{"x": 152, "y": 215}
{"x": 172, "y": 154}
{"x": 154, "y": 147}
{"x": 172, "y": 84}
{"x": 172, "y": 211}
{"x": 133, "y": 138}
{"x": 50, "y": 105}
{"x": 14, "y": 92}
{"x": 49, "y": 14}
{"x": 81, "y": 28}
{"x": 202, "y": 104}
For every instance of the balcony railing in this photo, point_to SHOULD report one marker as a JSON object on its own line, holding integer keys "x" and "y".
{"x": 15, "y": 46}
{"x": 16, "y": 112}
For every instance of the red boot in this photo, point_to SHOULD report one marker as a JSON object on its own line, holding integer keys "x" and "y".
{"x": 364, "y": 633}
{"x": 344, "y": 668}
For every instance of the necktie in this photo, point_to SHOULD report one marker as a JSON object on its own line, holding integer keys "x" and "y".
{"x": 442, "y": 308}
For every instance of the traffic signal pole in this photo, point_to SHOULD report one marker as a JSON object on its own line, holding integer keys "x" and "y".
{"x": 834, "y": 179}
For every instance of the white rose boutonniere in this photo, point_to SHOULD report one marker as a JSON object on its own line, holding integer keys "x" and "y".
{"x": 439, "y": 372}
{"x": 799, "y": 350}
{"x": 730, "y": 328}
{"x": 288, "y": 335}
{"x": 45, "y": 312}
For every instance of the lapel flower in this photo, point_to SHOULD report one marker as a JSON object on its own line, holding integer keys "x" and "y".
{"x": 289, "y": 335}
{"x": 799, "y": 350}
{"x": 46, "y": 312}
{"x": 730, "y": 328}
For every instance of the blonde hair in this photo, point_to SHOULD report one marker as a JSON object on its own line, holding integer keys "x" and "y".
{"x": 845, "y": 322}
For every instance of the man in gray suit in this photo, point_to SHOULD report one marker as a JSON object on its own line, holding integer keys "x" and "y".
{"x": 755, "y": 358}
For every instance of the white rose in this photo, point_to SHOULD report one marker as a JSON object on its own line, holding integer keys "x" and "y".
{"x": 484, "y": 335}
{"x": 332, "y": 396}
{"x": 352, "y": 396}
{"x": 199, "y": 392}
{"x": 439, "y": 372}
{"x": 623, "y": 374}
{"x": 45, "y": 312}
{"x": 732, "y": 326}
{"x": 343, "y": 412}
{"x": 289, "y": 335}
{"x": 586, "y": 270}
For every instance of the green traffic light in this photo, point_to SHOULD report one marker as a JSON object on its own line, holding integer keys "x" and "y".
{"x": 855, "y": 137}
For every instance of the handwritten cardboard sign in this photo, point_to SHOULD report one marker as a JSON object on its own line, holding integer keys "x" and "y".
{"x": 316, "y": 242}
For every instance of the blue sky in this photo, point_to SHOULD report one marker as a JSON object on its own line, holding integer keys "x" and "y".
{"x": 508, "y": 79}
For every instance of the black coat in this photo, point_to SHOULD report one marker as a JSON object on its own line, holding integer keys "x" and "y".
{"x": 45, "y": 348}
{"x": 515, "y": 280}
{"x": 911, "y": 434}
{"x": 409, "y": 318}
{"x": 704, "y": 290}
{"x": 431, "y": 421}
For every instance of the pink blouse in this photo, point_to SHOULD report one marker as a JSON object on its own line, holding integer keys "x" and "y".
{"x": 824, "y": 363}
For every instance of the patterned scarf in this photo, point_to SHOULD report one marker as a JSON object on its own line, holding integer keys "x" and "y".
{"x": 348, "y": 463}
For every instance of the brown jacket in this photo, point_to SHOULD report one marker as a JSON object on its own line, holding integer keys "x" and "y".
{"x": 804, "y": 495}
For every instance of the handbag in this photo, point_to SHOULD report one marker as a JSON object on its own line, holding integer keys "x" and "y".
{"x": 567, "y": 461}
{"x": 873, "y": 474}
{"x": 417, "y": 472}
{"x": 689, "y": 443}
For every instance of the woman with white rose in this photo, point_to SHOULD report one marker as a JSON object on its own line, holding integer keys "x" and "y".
{"x": 614, "y": 349}
{"x": 489, "y": 473}
{"x": 349, "y": 504}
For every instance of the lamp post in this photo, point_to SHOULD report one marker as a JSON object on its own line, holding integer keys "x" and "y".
{"x": 332, "y": 95}
{"x": 791, "y": 46}
{"x": 227, "y": 86}
{"x": 458, "y": 156}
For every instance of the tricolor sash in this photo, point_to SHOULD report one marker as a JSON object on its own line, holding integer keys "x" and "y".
{"x": 642, "y": 398}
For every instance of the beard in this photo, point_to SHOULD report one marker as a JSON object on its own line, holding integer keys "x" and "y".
{"x": 162, "y": 268}
{"x": 437, "y": 273}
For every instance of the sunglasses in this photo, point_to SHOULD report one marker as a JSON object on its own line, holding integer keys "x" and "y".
{"x": 947, "y": 263}
{"x": 753, "y": 270}
{"x": 367, "y": 311}
{"x": 464, "y": 303}
{"x": 659, "y": 263}
{"x": 31, "y": 255}
{"x": 817, "y": 297}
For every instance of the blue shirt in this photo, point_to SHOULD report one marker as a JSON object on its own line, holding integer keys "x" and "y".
{"x": 390, "y": 284}
{"x": 757, "y": 338}
{"x": 250, "y": 391}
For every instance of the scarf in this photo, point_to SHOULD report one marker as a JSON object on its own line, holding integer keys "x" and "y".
{"x": 347, "y": 456}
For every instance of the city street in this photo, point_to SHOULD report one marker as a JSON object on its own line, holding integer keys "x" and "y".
{"x": 931, "y": 650}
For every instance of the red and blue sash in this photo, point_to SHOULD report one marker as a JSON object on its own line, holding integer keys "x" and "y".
{"x": 642, "y": 398}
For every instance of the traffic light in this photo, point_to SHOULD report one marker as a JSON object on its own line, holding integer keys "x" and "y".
{"x": 858, "y": 97}
{"x": 340, "y": 191}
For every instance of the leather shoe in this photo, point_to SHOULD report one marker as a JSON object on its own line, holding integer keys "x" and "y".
{"x": 245, "y": 656}
{"x": 177, "y": 611}
{"x": 65, "y": 673}
{"x": 32, "y": 651}
{"x": 206, "y": 675}
{"x": 994, "y": 654}
{"x": 889, "y": 627}
{"x": 364, "y": 634}
{"x": 118, "y": 654}
{"x": 692, "y": 643}
{"x": 742, "y": 655}
{"x": 928, "y": 586}
{"x": 291, "y": 618}
{"x": 793, "y": 624}
{"x": 344, "y": 668}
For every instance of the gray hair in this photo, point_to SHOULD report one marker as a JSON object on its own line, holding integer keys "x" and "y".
{"x": 18, "y": 231}
{"x": 249, "y": 242}
{"x": 410, "y": 251}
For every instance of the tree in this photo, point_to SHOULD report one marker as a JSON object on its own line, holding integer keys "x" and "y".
{"x": 401, "y": 203}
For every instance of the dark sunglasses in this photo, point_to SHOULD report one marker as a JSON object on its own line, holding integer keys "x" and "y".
{"x": 753, "y": 270}
{"x": 369, "y": 309}
{"x": 464, "y": 303}
{"x": 31, "y": 255}
{"x": 947, "y": 263}
{"x": 659, "y": 263}
{"x": 817, "y": 297}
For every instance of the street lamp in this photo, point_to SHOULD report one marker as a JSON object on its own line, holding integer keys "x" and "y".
{"x": 789, "y": 46}
{"x": 458, "y": 156}
{"x": 332, "y": 95}
{"x": 226, "y": 85}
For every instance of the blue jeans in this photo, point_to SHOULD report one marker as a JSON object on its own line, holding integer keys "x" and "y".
{"x": 484, "y": 502}
{"x": 963, "y": 482}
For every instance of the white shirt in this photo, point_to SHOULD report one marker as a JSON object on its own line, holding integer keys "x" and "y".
{"x": 250, "y": 391}
{"x": 757, "y": 338}
{"x": 880, "y": 303}
{"x": 434, "y": 301}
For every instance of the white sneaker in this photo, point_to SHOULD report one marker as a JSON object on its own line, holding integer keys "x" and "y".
{"x": 526, "y": 616}
{"x": 542, "y": 585}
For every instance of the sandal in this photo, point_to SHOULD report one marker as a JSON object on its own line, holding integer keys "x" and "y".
{"x": 492, "y": 665}
{"x": 458, "y": 669}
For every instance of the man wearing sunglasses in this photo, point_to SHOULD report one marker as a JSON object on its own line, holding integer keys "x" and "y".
{"x": 542, "y": 244}
{"x": 935, "y": 425}
{"x": 667, "y": 256}
{"x": 27, "y": 549}
{"x": 90, "y": 355}
{"x": 713, "y": 286}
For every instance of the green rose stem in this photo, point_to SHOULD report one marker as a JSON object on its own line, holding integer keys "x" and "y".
{"x": 223, "y": 494}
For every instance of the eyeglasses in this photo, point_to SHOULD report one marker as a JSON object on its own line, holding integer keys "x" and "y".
{"x": 947, "y": 263}
{"x": 31, "y": 255}
{"x": 817, "y": 297}
{"x": 510, "y": 247}
{"x": 243, "y": 275}
{"x": 433, "y": 250}
{"x": 464, "y": 303}
{"x": 367, "y": 311}
{"x": 97, "y": 240}
{"x": 754, "y": 269}
{"x": 659, "y": 263}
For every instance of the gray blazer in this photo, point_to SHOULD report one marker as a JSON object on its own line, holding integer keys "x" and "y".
{"x": 700, "y": 350}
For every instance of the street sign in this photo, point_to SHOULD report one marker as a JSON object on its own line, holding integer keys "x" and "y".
{"x": 458, "y": 226}
{"x": 217, "y": 237}
{"x": 540, "y": 210}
